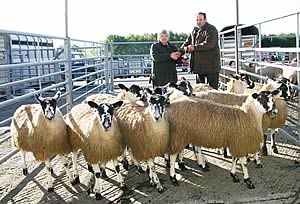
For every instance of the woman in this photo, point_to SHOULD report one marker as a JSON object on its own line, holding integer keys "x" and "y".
{"x": 164, "y": 56}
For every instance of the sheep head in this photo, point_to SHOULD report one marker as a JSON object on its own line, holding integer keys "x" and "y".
{"x": 49, "y": 104}
{"x": 105, "y": 112}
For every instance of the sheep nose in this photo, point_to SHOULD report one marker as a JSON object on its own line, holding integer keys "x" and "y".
{"x": 274, "y": 112}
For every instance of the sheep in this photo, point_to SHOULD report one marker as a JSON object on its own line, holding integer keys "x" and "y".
{"x": 279, "y": 121}
{"x": 41, "y": 129}
{"x": 133, "y": 94}
{"x": 145, "y": 130}
{"x": 94, "y": 130}
{"x": 239, "y": 128}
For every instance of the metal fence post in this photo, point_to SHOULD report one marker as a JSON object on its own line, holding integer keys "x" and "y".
{"x": 68, "y": 74}
{"x": 259, "y": 45}
{"x": 298, "y": 73}
{"x": 107, "y": 67}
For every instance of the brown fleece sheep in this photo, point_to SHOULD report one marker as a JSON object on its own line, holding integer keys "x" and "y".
{"x": 240, "y": 129}
{"x": 33, "y": 133}
{"x": 87, "y": 134}
{"x": 201, "y": 87}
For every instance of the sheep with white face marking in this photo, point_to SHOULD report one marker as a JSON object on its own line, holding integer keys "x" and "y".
{"x": 279, "y": 121}
{"x": 145, "y": 131}
{"x": 218, "y": 125}
{"x": 41, "y": 129}
{"x": 94, "y": 130}
{"x": 134, "y": 94}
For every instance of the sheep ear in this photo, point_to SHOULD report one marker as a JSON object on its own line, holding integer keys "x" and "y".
{"x": 123, "y": 87}
{"x": 255, "y": 95}
{"x": 275, "y": 92}
{"x": 183, "y": 79}
{"x": 117, "y": 104}
{"x": 92, "y": 104}
{"x": 38, "y": 98}
{"x": 57, "y": 96}
{"x": 172, "y": 84}
{"x": 147, "y": 90}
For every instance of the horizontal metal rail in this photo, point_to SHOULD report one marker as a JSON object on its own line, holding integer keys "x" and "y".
{"x": 15, "y": 66}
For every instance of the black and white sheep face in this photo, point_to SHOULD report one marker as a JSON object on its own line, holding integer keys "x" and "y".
{"x": 157, "y": 104}
{"x": 285, "y": 88}
{"x": 48, "y": 104}
{"x": 133, "y": 93}
{"x": 105, "y": 112}
{"x": 185, "y": 86}
{"x": 264, "y": 102}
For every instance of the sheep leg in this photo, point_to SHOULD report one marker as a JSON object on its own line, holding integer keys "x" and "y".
{"x": 181, "y": 162}
{"x": 273, "y": 134}
{"x": 136, "y": 163}
{"x": 233, "y": 175}
{"x": 154, "y": 177}
{"x": 264, "y": 146}
{"x": 257, "y": 161}
{"x": 247, "y": 180}
{"x": 66, "y": 167}
{"x": 119, "y": 175}
{"x": 201, "y": 159}
{"x": 75, "y": 167}
{"x": 49, "y": 176}
{"x": 124, "y": 161}
{"x": 98, "y": 183}
{"x": 25, "y": 170}
{"x": 172, "y": 170}
{"x": 102, "y": 170}
{"x": 167, "y": 160}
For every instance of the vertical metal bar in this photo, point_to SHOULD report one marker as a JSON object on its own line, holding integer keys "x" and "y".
{"x": 112, "y": 71}
{"x": 236, "y": 38}
{"x": 298, "y": 73}
{"x": 259, "y": 45}
{"x": 39, "y": 60}
{"x": 107, "y": 68}
{"x": 68, "y": 64}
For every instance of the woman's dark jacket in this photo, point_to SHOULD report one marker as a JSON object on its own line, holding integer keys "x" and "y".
{"x": 163, "y": 67}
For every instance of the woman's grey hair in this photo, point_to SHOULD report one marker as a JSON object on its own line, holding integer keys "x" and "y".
{"x": 163, "y": 32}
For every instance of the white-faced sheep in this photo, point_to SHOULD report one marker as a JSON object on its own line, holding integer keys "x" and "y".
{"x": 146, "y": 131}
{"x": 218, "y": 126}
{"x": 277, "y": 122}
{"x": 41, "y": 129}
{"x": 134, "y": 94}
{"x": 94, "y": 130}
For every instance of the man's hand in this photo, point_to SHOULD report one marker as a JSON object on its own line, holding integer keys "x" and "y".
{"x": 190, "y": 48}
{"x": 191, "y": 71}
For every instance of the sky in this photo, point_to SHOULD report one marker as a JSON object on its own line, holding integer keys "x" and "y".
{"x": 95, "y": 19}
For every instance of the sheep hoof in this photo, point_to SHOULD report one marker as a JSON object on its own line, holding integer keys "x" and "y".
{"x": 25, "y": 172}
{"x": 52, "y": 172}
{"x": 89, "y": 190}
{"x": 98, "y": 196}
{"x": 123, "y": 187}
{"x": 264, "y": 151}
{"x": 51, "y": 189}
{"x": 76, "y": 181}
{"x": 182, "y": 166}
{"x": 249, "y": 183}
{"x": 259, "y": 166}
{"x": 140, "y": 170}
{"x": 174, "y": 181}
{"x": 148, "y": 170}
{"x": 90, "y": 168}
{"x": 235, "y": 178}
{"x": 248, "y": 159}
{"x": 152, "y": 184}
{"x": 205, "y": 168}
{"x": 168, "y": 165}
{"x": 160, "y": 190}
{"x": 125, "y": 164}
{"x": 104, "y": 175}
{"x": 275, "y": 150}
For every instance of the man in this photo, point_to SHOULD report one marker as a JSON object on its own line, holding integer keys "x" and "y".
{"x": 164, "y": 56}
{"x": 203, "y": 45}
